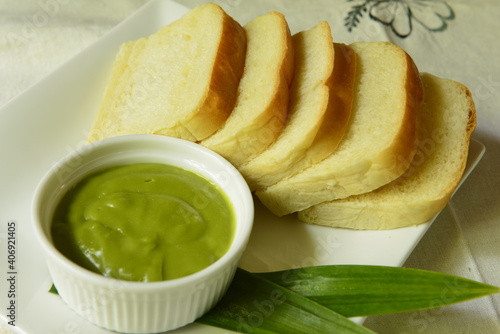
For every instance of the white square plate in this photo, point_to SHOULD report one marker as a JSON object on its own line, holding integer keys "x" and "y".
{"x": 54, "y": 116}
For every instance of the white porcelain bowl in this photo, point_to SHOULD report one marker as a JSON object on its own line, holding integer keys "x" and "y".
{"x": 138, "y": 307}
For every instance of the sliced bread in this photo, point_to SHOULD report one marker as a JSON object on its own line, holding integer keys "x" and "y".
{"x": 318, "y": 112}
{"x": 180, "y": 81}
{"x": 262, "y": 102}
{"x": 447, "y": 122}
{"x": 380, "y": 141}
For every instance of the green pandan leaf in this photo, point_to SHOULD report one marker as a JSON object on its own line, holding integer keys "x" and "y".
{"x": 53, "y": 290}
{"x": 255, "y": 305}
{"x": 319, "y": 299}
{"x": 359, "y": 290}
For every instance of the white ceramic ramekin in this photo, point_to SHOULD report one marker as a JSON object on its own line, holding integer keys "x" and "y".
{"x": 137, "y": 307}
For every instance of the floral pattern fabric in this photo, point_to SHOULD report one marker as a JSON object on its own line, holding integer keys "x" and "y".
{"x": 402, "y": 15}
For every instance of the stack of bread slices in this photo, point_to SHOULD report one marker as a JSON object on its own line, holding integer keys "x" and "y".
{"x": 349, "y": 136}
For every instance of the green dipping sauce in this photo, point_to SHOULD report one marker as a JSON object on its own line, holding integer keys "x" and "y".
{"x": 144, "y": 222}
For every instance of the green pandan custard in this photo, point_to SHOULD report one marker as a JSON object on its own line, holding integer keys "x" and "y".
{"x": 144, "y": 222}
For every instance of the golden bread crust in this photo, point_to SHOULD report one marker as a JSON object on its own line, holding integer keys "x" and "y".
{"x": 261, "y": 109}
{"x": 221, "y": 93}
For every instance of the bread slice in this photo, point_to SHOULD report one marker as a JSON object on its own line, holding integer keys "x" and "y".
{"x": 447, "y": 121}
{"x": 262, "y": 102}
{"x": 318, "y": 113}
{"x": 379, "y": 143}
{"x": 180, "y": 81}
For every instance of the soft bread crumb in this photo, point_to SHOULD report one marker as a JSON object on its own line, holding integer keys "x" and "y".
{"x": 311, "y": 105}
{"x": 379, "y": 142}
{"x": 447, "y": 120}
{"x": 180, "y": 81}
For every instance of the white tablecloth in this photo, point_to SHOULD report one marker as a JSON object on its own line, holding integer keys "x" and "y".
{"x": 453, "y": 39}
